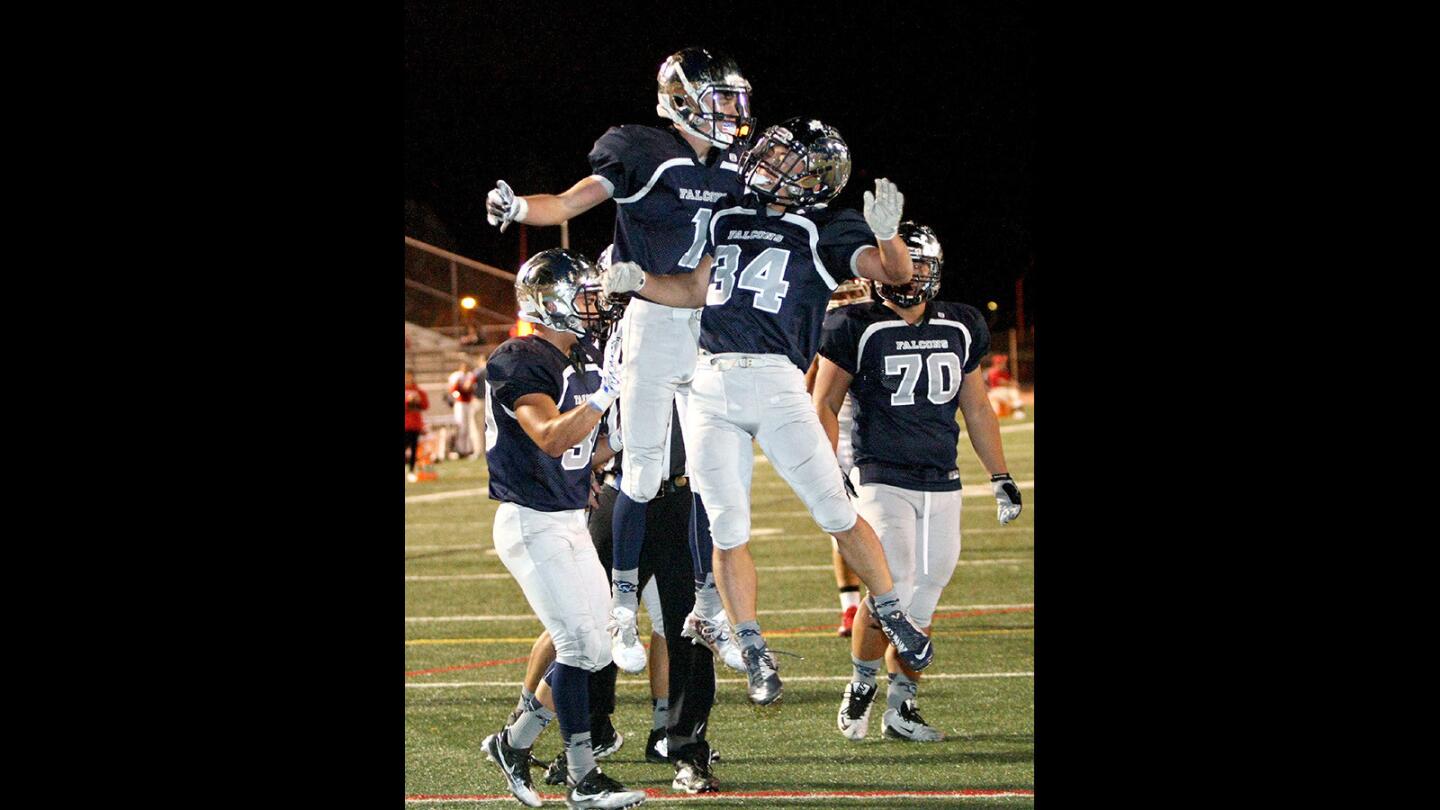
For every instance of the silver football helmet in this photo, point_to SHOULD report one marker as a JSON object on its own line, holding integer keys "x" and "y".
{"x": 926, "y": 254}
{"x": 559, "y": 290}
{"x": 799, "y": 163}
{"x": 694, "y": 85}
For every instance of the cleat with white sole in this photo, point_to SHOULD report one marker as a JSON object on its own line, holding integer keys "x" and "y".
{"x": 714, "y": 634}
{"x": 853, "y": 719}
{"x": 907, "y": 724}
{"x": 625, "y": 647}
{"x": 515, "y": 765}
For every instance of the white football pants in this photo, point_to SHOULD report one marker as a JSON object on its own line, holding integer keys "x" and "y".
{"x": 660, "y": 345}
{"x": 736, "y": 398}
{"x": 920, "y": 532}
{"x": 550, "y": 554}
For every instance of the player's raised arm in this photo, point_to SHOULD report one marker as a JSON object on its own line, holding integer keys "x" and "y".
{"x": 502, "y": 206}
{"x": 890, "y": 264}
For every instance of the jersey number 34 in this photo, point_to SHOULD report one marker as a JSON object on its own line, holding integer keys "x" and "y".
{"x": 764, "y": 276}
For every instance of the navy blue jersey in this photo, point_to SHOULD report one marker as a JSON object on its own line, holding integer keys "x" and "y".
{"x": 906, "y": 385}
{"x": 664, "y": 197}
{"x": 520, "y": 472}
{"x": 773, "y": 276}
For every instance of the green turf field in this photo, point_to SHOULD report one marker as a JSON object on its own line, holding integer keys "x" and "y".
{"x": 467, "y": 617}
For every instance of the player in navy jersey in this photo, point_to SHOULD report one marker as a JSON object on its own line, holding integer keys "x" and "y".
{"x": 545, "y": 397}
{"x": 775, "y": 259}
{"x": 908, "y": 362}
{"x": 667, "y": 183}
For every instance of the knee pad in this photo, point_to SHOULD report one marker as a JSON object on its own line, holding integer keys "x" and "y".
{"x": 640, "y": 482}
{"x": 585, "y": 649}
{"x": 835, "y": 513}
{"x": 728, "y": 532}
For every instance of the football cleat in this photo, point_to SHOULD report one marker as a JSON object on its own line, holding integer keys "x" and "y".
{"x": 692, "y": 769}
{"x": 847, "y": 621}
{"x": 625, "y": 646}
{"x": 911, "y": 643}
{"x": 657, "y": 748}
{"x": 764, "y": 675}
{"x": 714, "y": 634}
{"x": 559, "y": 771}
{"x": 907, "y": 724}
{"x": 515, "y": 765}
{"x": 607, "y": 742}
{"x": 854, "y": 717}
{"x": 599, "y": 790}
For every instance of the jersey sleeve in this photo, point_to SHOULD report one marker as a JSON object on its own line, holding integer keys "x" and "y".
{"x": 837, "y": 340}
{"x": 979, "y": 335}
{"x": 512, "y": 374}
{"x": 841, "y": 239}
{"x": 614, "y": 157}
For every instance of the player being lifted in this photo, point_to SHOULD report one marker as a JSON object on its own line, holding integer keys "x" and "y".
{"x": 545, "y": 398}
{"x": 907, "y": 362}
{"x": 776, "y": 260}
{"x": 666, "y": 183}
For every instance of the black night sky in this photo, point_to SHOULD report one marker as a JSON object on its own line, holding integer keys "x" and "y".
{"x": 941, "y": 102}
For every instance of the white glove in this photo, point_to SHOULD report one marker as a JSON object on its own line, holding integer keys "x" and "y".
{"x": 883, "y": 209}
{"x": 502, "y": 206}
{"x": 610, "y": 373}
{"x": 622, "y": 277}
{"x": 1007, "y": 497}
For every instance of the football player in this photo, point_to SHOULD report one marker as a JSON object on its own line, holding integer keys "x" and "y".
{"x": 544, "y": 401}
{"x": 908, "y": 362}
{"x": 774, "y": 262}
{"x": 667, "y": 183}
{"x": 852, "y": 291}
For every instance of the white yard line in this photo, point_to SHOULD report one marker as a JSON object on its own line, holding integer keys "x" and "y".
{"x": 511, "y": 617}
{"x": 939, "y": 676}
{"x": 973, "y": 489}
{"x": 780, "y": 568}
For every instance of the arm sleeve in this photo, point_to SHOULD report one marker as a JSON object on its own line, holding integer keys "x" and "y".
{"x": 608, "y": 160}
{"x": 511, "y": 377}
{"x": 424, "y": 400}
{"x": 837, "y": 341}
{"x": 841, "y": 239}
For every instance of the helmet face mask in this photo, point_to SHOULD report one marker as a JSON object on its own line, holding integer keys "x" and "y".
{"x": 797, "y": 164}
{"x": 609, "y": 309}
{"x": 849, "y": 291}
{"x": 706, "y": 96}
{"x": 928, "y": 259}
{"x": 560, "y": 290}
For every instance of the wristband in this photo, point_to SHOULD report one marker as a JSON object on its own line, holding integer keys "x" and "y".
{"x": 600, "y": 400}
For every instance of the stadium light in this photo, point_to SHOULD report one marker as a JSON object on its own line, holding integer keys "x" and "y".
{"x": 468, "y": 302}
